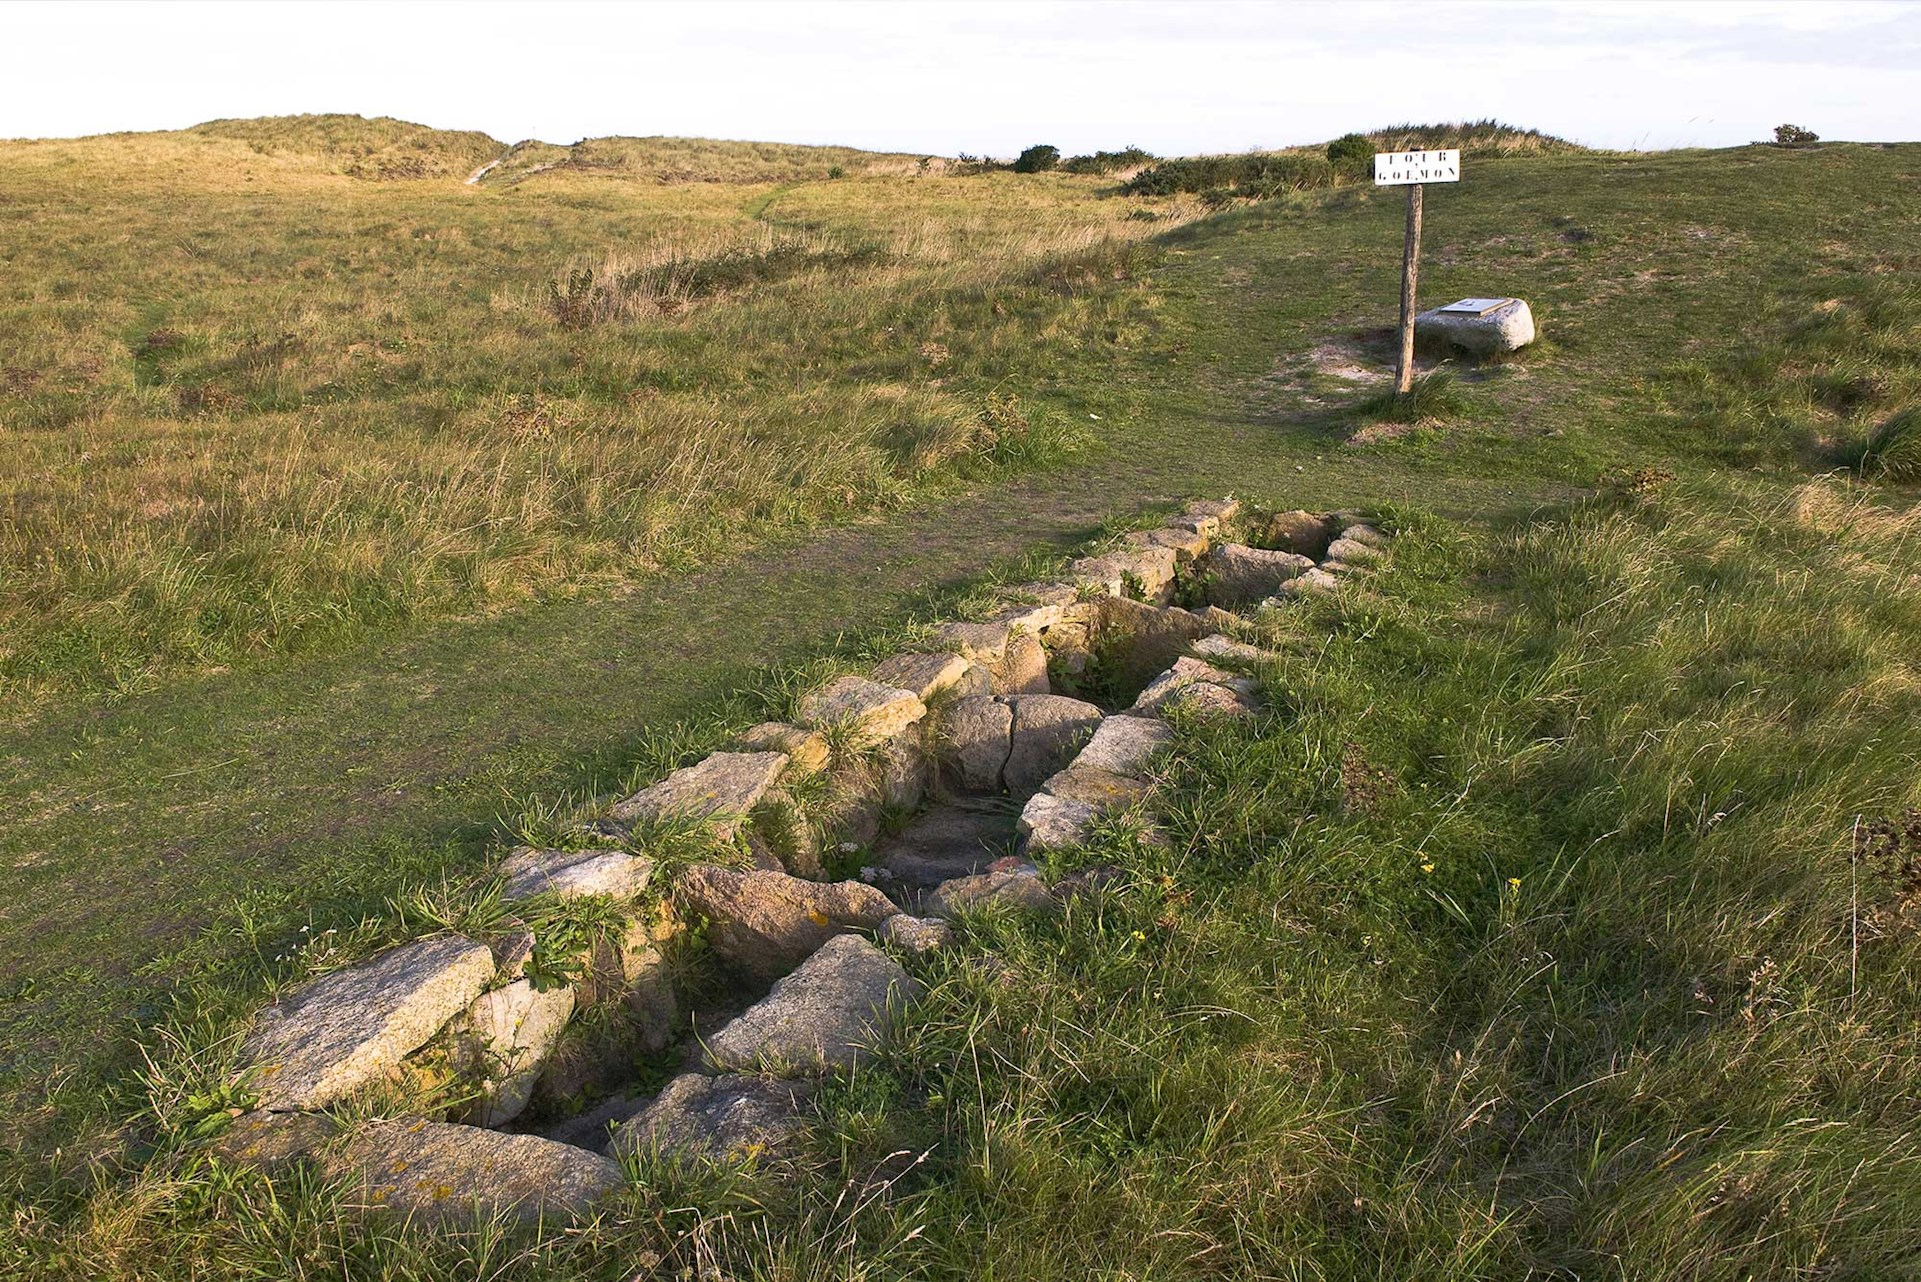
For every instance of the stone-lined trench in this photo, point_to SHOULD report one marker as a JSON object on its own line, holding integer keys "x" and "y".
{"x": 891, "y": 804}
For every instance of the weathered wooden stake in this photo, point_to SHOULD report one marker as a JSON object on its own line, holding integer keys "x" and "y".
{"x": 1410, "y": 275}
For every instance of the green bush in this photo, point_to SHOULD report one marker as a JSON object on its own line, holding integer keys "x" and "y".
{"x": 1351, "y": 154}
{"x": 1794, "y": 136}
{"x": 1256, "y": 176}
{"x": 1041, "y": 156}
{"x": 1106, "y": 162}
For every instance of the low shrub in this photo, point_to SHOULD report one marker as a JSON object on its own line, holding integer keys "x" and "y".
{"x": 1037, "y": 159}
{"x": 1255, "y": 176}
{"x": 1107, "y": 162}
{"x": 1794, "y": 136}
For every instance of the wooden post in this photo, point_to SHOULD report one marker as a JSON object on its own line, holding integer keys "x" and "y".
{"x": 1410, "y": 276}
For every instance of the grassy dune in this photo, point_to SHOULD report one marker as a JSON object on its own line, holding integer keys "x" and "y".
{"x": 253, "y": 401}
{"x": 1558, "y": 921}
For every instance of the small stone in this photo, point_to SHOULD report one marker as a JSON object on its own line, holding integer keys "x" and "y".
{"x": 1048, "y": 729}
{"x": 570, "y": 874}
{"x": 341, "y": 1031}
{"x": 1207, "y": 516}
{"x": 1106, "y": 574}
{"x": 1186, "y": 672}
{"x": 928, "y": 675}
{"x": 1017, "y": 887}
{"x": 1031, "y": 619}
{"x": 766, "y": 923}
{"x": 976, "y": 738}
{"x": 875, "y": 712}
{"x": 1315, "y": 580}
{"x": 1362, "y": 532}
{"x": 1353, "y": 551}
{"x": 1205, "y": 699}
{"x": 1186, "y": 545}
{"x": 731, "y": 1118}
{"x": 823, "y": 1016}
{"x": 444, "y": 1173}
{"x": 505, "y": 1036}
{"x": 1217, "y": 619}
{"x": 1102, "y": 789}
{"x": 1050, "y": 822}
{"x": 915, "y": 934}
{"x": 1123, "y": 745}
{"x": 1507, "y": 328}
{"x": 1299, "y": 532}
{"x": 723, "y": 788}
{"x": 1238, "y": 573}
{"x": 1023, "y": 669}
{"x": 1220, "y": 647}
{"x": 807, "y": 750}
{"x": 982, "y": 642}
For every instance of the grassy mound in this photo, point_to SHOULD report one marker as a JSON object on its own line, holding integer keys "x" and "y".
{"x": 378, "y": 148}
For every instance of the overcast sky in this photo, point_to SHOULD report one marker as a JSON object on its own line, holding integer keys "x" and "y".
{"x": 980, "y": 76}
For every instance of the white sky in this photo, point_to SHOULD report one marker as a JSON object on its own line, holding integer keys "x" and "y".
{"x": 980, "y": 76}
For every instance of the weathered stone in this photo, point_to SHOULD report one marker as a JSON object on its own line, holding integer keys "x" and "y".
{"x": 344, "y": 1030}
{"x": 1031, "y": 619}
{"x": 903, "y": 770}
{"x": 272, "y": 1140}
{"x": 1049, "y": 822}
{"x": 807, "y": 750}
{"x": 982, "y": 642}
{"x": 1363, "y": 532}
{"x": 1023, "y": 669}
{"x": 1186, "y": 672}
{"x": 873, "y": 711}
{"x": 1205, "y": 699}
{"x": 505, "y": 1036}
{"x": 731, "y": 1118}
{"x": 445, "y": 1173}
{"x": 928, "y": 675}
{"x": 976, "y": 737}
{"x": 1103, "y": 789}
{"x": 1141, "y": 639}
{"x": 1238, "y": 573}
{"x": 1123, "y": 744}
{"x": 765, "y": 923}
{"x": 1353, "y": 552}
{"x": 1297, "y": 531}
{"x": 512, "y": 952}
{"x": 945, "y": 842}
{"x": 1145, "y": 574}
{"x": 1207, "y": 516}
{"x": 1019, "y": 886}
{"x": 1220, "y": 647}
{"x": 1217, "y": 619}
{"x": 724, "y": 788}
{"x": 1186, "y": 545}
{"x": 1315, "y": 580}
{"x": 1048, "y": 729}
{"x": 823, "y": 1016}
{"x": 1507, "y": 328}
{"x": 915, "y": 934}
{"x": 1106, "y": 574}
{"x": 569, "y": 874}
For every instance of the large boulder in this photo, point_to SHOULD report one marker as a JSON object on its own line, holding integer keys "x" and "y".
{"x": 271, "y": 1140}
{"x": 443, "y": 1173}
{"x": 1185, "y": 544}
{"x": 1102, "y": 789}
{"x": 569, "y": 874}
{"x": 1023, "y": 668}
{"x": 1507, "y": 327}
{"x": 1208, "y": 516}
{"x": 766, "y": 923}
{"x": 347, "y": 1029}
{"x": 1237, "y": 573}
{"x": 871, "y": 712}
{"x": 976, "y": 736}
{"x": 1048, "y": 730}
{"x": 730, "y": 1118}
{"x": 823, "y": 1016}
{"x": 723, "y": 789}
{"x": 984, "y": 643}
{"x": 505, "y": 1037}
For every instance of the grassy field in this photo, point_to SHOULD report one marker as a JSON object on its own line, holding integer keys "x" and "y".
{"x": 1528, "y": 937}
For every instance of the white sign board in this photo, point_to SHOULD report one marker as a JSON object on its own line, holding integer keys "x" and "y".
{"x": 1476, "y": 306}
{"x": 1400, "y": 168}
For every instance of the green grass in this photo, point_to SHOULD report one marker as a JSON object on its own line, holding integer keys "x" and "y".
{"x": 1265, "y": 1083}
